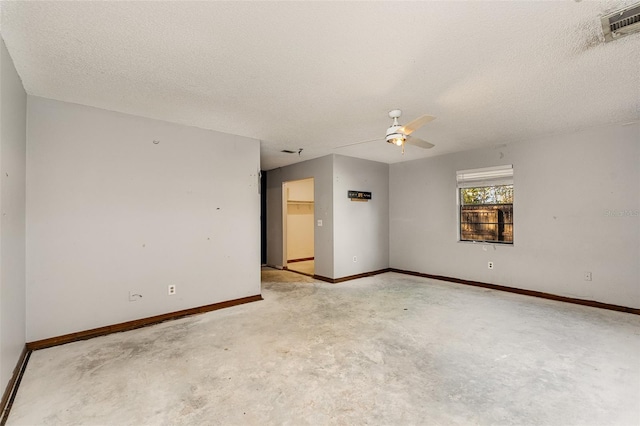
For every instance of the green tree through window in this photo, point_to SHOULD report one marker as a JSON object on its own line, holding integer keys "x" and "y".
{"x": 500, "y": 194}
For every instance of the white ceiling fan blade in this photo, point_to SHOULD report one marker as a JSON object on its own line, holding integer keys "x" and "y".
{"x": 359, "y": 143}
{"x": 419, "y": 142}
{"x": 414, "y": 125}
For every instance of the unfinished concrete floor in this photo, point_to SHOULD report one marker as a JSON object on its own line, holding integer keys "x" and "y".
{"x": 305, "y": 267}
{"x": 390, "y": 349}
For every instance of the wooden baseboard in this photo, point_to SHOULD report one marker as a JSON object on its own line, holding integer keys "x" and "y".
{"x": 351, "y": 277}
{"x": 12, "y": 387}
{"x": 131, "y": 325}
{"x": 302, "y": 259}
{"x": 533, "y": 293}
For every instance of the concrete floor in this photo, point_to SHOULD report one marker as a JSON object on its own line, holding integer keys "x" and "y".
{"x": 306, "y": 266}
{"x": 390, "y": 349}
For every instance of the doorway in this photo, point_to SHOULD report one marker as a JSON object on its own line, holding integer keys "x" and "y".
{"x": 298, "y": 226}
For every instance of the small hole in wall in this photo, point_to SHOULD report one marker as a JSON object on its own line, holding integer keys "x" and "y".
{"x": 156, "y": 142}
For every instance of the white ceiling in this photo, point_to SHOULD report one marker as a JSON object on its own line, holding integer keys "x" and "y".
{"x": 319, "y": 75}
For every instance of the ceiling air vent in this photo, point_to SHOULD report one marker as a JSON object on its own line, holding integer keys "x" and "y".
{"x": 288, "y": 151}
{"x": 621, "y": 23}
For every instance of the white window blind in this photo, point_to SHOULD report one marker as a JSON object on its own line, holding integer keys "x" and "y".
{"x": 487, "y": 176}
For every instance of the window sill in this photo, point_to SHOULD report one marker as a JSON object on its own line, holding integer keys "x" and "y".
{"x": 485, "y": 243}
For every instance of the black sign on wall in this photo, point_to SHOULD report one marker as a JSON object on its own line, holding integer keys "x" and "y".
{"x": 359, "y": 195}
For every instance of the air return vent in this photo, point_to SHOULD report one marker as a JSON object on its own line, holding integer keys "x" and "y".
{"x": 621, "y": 23}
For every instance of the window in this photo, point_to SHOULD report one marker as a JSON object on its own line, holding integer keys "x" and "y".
{"x": 485, "y": 198}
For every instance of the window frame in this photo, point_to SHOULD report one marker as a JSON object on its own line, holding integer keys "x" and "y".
{"x": 483, "y": 177}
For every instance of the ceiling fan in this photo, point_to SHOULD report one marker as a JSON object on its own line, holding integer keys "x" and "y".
{"x": 398, "y": 134}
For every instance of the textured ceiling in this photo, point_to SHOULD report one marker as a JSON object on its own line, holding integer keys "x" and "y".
{"x": 320, "y": 75}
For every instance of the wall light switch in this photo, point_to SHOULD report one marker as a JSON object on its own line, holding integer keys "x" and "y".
{"x": 319, "y": 222}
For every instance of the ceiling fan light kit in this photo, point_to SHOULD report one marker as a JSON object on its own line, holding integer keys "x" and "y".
{"x": 395, "y": 138}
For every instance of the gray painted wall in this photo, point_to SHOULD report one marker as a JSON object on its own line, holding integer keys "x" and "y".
{"x": 321, "y": 169}
{"x": 13, "y": 106}
{"x": 109, "y": 212}
{"x": 349, "y": 228}
{"x": 361, "y": 229}
{"x": 569, "y": 193}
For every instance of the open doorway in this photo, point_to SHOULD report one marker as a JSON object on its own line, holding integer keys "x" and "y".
{"x": 298, "y": 225}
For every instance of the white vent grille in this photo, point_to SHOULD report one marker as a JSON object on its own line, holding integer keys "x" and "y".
{"x": 621, "y": 23}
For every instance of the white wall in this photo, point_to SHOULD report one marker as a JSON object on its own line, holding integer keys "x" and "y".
{"x": 566, "y": 188}
{"x": 13, "y": 102}
{"x": 361, "y": 228}
{"x": 300, "y": 219}
{"x": 321, "y": 170}
{"x": 109, "y": 211}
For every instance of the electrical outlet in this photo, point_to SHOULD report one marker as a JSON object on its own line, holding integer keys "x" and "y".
{"x": 355, "y": 258}
{"x": 587, "y": 276}
{"x": 490, "y": 265}
{"x": 134, "y": 295}
{"x": 171, "y": 289}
